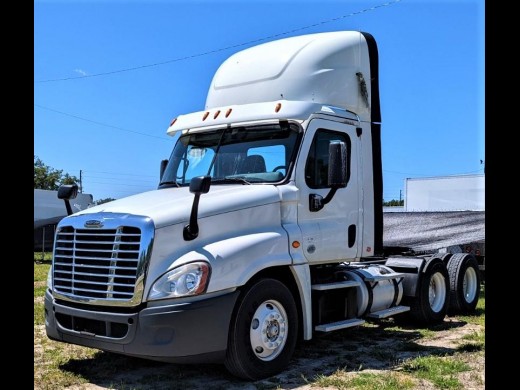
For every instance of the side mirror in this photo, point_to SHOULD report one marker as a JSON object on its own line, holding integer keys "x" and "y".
{"x": 67, "y": 192}
{"x": 162, "y": 169}
{"x": 198, "y": 186}
{"x": 337, "y": 174}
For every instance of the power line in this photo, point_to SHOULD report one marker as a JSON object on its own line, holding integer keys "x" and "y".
{"x": 117, "y": 173}
{"x": 88, "y": 171}
{"x": 406, "y": 173}
{"x": 431, "y": 175}
{"x": 100, "y": 123}
{"x": 270, "y": 37}
{"x": 126, "y": 185}
{"x": 119, "y": 178}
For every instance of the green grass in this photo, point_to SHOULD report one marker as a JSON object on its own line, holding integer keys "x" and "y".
{"x": 49, "y": 358}
{"x": 40, "y": 285}
{"x": 39, "y": 291}
{"x": 342, "y": 379}
{"x": 441, "y": 371}
{"x": 472, "y": 342}
{"x": 421, "y": 333}
{"x": 382, "y": 382}
{"x": 40, "y": 272}
{"x": 479, "y": 318}
{"x": 425, "y": 333}
{"x": 39, "y": 314}
{"x": 475, "y": 336}
{"x": 47, "y": 257}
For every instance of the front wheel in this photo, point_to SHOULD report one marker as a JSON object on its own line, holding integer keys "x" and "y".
{"x": 263, "y": 331}
{"x": 431, "y": 303}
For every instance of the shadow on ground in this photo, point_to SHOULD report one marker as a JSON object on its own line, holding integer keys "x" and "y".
{"x": 375, "y": 346}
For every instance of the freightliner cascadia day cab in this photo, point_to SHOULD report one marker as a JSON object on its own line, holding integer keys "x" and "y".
{"x": 265, "y": 229}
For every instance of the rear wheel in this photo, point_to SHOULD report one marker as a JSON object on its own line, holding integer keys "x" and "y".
{"x": 431, "y": 303}
{"x": 464, "y": 275}
{"x": 263, "y": 331}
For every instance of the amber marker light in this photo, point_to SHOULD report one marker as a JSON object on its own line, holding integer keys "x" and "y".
{"x": 173, "y": 121}
{"x": 205, "y": 115}
{"x": 277, "y": 107}
{"x": 216, "y": 114}
{"x": 296, "y": 244}
{"x": 228, "y": 112}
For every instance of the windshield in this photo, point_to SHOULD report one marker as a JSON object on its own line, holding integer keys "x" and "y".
{"x": 253, "y": 154}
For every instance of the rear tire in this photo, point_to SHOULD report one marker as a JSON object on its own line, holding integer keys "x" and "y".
{"x": 431, "y": 303}
{"x": 263, "y": 331}
{"x": 464, "y": 275}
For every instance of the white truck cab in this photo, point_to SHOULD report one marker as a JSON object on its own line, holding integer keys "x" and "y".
{"x": 265, "y": 228}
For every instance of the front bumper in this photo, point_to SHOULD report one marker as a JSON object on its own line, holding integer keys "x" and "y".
{"x": 186, "y": 332}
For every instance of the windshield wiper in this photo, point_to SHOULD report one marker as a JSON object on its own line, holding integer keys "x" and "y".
{"x": 230, "y": 180}
{"x": 171, "y": 182}
{"x": 218, "y": 149}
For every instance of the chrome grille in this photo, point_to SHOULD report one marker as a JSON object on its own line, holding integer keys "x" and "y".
{"x": 97, "y": 264}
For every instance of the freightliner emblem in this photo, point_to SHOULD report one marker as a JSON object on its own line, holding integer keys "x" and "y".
{"x": 93, "y": 223}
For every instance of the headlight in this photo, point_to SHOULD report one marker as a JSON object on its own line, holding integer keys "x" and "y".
{"x": 49, "y": 279}
{"x": 186, "y": 280}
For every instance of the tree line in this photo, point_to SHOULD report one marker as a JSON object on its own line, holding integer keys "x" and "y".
{"x": 49, "y": 178}
{"x": 393, "y": 202}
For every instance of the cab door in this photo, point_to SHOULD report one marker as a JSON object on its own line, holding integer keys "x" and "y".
{"x": 332, "y": 233}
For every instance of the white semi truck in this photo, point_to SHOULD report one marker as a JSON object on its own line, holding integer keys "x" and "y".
{"x": 266, "y": 227}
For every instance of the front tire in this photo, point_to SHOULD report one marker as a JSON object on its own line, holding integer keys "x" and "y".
{"x": 263, "y": 331}
{"x": 431, "y": 303}
{"x": 464, "y": 283}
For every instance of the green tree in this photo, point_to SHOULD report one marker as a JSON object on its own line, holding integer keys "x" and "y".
{"x": 394, "y": 202}
{"x": 48, "y": 178}
{"x": 104, "y": 200}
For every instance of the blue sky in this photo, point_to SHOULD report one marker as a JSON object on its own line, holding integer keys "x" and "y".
{"x": 113, "y": 127}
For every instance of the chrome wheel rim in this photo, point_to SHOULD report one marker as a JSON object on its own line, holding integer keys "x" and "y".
{"x": 268, "y": 331}
{"x": 437, "y": 292}
{"x": 469, "y": 284}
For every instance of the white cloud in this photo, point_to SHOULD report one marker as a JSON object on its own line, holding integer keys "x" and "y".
{"x": 81, "y": 72}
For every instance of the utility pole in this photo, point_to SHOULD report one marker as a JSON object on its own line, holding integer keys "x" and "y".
{"x": 80, "y": 181}
{"x": 400, "y": 196}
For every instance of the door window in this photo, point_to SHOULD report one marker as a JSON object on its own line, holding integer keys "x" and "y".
{"x": 317, "y": 165}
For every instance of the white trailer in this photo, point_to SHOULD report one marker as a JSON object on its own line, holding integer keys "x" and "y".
{"x": 445, "y": 193}
{"x": 49, "y": 210}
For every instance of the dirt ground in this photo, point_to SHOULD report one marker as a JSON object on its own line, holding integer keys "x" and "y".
{"x": 377, "y": 348}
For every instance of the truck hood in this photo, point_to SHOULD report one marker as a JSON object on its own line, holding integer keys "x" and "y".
{"x": 173, "y": 205}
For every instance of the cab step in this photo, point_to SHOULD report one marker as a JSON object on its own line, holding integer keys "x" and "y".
{"x": 339, "y": 325}
{"x": 389, "y": 312}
